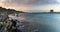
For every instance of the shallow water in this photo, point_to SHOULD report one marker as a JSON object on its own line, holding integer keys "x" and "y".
{"x": 43, "y": 22}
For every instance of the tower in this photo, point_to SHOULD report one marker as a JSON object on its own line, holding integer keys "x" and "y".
{"x": 51, "y": 11}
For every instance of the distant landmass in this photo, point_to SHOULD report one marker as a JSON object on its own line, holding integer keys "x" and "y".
{"x": 51, "y": 12}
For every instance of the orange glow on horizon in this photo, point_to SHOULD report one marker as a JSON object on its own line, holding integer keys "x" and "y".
{"x": 15, "y": 6}
{"x": 22, "y": 8}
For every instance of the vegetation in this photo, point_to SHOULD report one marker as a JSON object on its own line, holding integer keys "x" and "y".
{"x": 9, "y": 11}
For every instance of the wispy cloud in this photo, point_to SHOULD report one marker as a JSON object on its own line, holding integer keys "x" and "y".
{"x": 32, "y": 2}
{"x": 25, "y": 5}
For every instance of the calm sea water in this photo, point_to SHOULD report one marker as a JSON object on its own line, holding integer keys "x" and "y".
{"x": 44, "y": 22}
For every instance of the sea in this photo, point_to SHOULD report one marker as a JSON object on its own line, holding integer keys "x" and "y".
{"x": 48, "y": 22}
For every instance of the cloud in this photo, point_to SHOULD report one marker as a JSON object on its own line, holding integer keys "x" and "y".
{"x": 25, "y": 5}
{"x": 32, "y": 2}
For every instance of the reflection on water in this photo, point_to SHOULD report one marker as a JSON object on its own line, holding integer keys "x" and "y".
{"x": 42, "y": 22}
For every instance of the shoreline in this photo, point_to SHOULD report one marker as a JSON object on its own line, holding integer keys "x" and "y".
{"x": 42, "y": 12}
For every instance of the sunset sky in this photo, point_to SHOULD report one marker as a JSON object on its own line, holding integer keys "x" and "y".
{"x": 31, "y": 5}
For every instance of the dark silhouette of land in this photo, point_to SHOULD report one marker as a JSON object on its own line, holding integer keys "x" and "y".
{"x": 9, "y": 11}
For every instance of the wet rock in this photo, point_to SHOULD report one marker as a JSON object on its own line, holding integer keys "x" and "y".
{"x": 13, "y": 22}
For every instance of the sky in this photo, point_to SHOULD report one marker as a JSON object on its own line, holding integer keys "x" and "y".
{"x": 31, "y": 5}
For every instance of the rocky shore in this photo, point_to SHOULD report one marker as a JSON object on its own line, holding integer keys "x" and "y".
{"x": 21, "y": 25}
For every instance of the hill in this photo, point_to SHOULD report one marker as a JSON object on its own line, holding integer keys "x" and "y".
{"x": 9, "y": 11}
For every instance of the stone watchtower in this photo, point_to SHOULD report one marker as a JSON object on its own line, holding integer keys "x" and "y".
{"x": 51, "y": 11}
